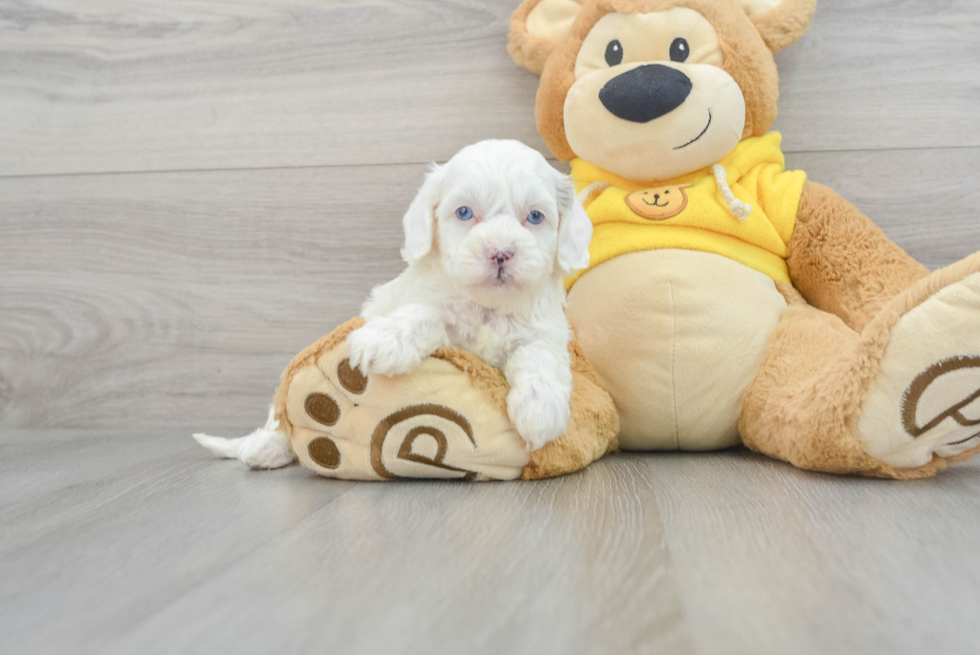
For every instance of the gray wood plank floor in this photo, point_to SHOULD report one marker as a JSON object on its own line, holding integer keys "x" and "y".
{"x": 137, "y": 542}
{"x": 192, "y": 191}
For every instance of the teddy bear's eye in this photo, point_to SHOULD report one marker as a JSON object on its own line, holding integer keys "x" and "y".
{"x": 679, "y": 50}
{"x": 614, "y": 53}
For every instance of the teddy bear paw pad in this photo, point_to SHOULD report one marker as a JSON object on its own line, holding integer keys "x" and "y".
{"x": 436, "y": 422}
{"x": 926, "y": 399}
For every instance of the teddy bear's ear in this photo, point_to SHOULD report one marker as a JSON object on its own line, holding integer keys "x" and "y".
{"x": 781, "y": 22}
{"x": 536, "y": 29}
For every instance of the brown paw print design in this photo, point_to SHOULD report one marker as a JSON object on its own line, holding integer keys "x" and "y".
{"x": 421, "y": 425}
{"x": 323, "y": 409}
{"x": 660, "y": 203}
{"x": 947, "y": 392}
{"x": 408, "y": 426}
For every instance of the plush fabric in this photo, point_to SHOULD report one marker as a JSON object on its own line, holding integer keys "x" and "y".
{"x": 868, "y": 365}
{"x": 795, "y": 327}
{"x": 531, "y": 50}
{"x": 835, "y": 249}
{"x": 624, "y": 118}
{"x": 940, "y": 408}
{"x": 806, "y": 404}
{"x": 757, "y": 175}
{"x": 447, "y": 419}
{"x": 745, "y": 55}
{"x": 676, "y": 337}
{"x": 783, "y": 24}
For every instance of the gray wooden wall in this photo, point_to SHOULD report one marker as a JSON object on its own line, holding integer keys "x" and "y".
{"x": 191, "y": 191}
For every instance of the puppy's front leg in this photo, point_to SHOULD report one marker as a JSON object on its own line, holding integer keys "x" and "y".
{"x": 398, "y": 342}
{"x": 540, "y": 379}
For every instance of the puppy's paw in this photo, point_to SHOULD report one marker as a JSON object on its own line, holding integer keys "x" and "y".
{"x": 539, "y": 412}
{"x": 381, "y": 348}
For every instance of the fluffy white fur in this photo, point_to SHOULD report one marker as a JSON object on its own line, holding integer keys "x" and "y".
{"x": 266, "y": 448}
{"x": 491, "y": 285}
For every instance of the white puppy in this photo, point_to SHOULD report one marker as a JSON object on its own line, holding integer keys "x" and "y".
{"x": 488, "y": 239}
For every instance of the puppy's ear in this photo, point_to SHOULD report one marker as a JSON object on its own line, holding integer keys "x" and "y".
{"x": 780, "y": 22}
{"x": 574, "y": 229}
{"x": 419, "y": 220}
{"x": 537, "y": 27}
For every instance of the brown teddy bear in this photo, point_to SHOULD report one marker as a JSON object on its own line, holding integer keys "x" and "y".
{"x": 727, "y": 300}
{"x": 758, "y": 307}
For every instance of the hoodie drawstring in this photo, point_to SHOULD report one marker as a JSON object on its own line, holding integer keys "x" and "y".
{"x": 593, "y": 189}
{"x": 739, "y": 209}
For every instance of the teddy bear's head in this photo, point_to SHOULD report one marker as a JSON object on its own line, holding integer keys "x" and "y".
{"x": 654, "y": 89}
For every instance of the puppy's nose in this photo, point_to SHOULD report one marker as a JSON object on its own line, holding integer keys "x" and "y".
{"x": 646, "y": 92}
{"x": 501, "y": 256}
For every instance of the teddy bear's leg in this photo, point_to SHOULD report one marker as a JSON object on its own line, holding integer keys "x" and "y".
{"x": 901, "y": 399}
{"x": 445, "y": 419}
{"x": 800, "y": 407}
{"x": 843, "y": 263}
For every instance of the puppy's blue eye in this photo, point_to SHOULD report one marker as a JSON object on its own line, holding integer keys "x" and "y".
{"x": 535, "y": 217}
{"x": 464, "y": 213}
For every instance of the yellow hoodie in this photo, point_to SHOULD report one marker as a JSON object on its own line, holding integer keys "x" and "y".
{"x": 691, "y": 212}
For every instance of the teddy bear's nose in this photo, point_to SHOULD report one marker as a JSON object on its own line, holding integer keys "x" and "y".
{"x": 646, "y": 92}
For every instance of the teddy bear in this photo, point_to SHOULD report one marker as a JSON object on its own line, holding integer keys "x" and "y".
{"x": 727, "y": 300}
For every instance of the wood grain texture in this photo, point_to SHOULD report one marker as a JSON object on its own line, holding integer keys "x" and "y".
{"x": 179, "y": 553}
{"x": 140, "y": 543}
{"x": 158, "y": 286}
{"x": 176, "y": 299}
{"x": 881, "y": 74}
{"x": 205, "y": 84}
{"x": 193, "y": 84}
{"x": 816, "y": 564}
{"x": 142, "y": 302}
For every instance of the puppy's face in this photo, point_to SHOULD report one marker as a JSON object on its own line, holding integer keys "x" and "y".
{"x": 497, "y": 220}
{"x": 501, "y": 220}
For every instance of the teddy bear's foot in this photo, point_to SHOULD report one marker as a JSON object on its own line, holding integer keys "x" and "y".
{"x": 925, "y": 401}
{"x": 446, "y": 419}
{"x": 436, "y": 422}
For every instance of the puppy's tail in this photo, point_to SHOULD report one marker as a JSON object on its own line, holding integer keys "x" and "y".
{"x": 266, "y": 448}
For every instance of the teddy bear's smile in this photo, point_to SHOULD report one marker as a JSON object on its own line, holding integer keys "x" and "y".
{"x": 640, "y": 80}
{"x": 698, "y": 137}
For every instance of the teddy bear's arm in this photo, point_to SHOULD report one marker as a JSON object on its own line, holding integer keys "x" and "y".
{"x": 843, "y": 263}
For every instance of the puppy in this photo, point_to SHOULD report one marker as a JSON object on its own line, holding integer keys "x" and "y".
{"x": 488, "y": 240}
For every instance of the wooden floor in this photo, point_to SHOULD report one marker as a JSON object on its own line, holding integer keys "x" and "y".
{"x": 191, "y": 191}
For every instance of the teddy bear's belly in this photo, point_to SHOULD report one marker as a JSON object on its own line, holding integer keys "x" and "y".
{"x": 676, "y": 337}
